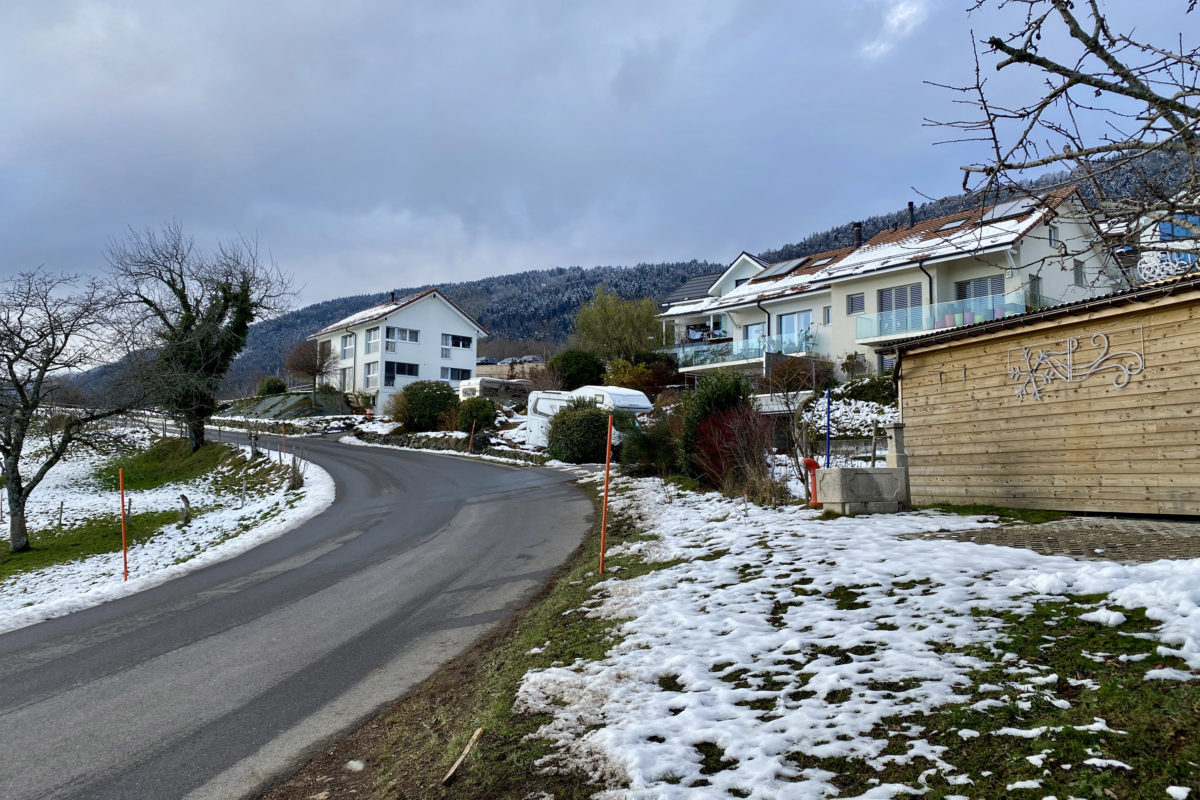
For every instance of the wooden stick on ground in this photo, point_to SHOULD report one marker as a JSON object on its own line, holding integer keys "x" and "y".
{"x": 474, "y": 738}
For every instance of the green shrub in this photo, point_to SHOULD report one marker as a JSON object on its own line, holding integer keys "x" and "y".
{"x": 578, "y": 434}
{"x": 875, "y": 389}
{"x": 396, "y": 409}
{"x": 477, "y": 412}
{"x": 649, "y": 373}
{"x": 652, "y": 450}
{"x": 715, "y": 392}
{"x": 429, "y": 404}
{"x": 576, "y": 368}
{"x": 271, "y": 385}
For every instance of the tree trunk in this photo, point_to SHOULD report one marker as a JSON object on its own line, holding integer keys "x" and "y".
{"x": 18, "y": 535}
{"x": 195, "y": 432}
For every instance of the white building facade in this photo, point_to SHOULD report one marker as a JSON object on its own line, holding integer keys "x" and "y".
{"x": 382, "y": 349}
{"x": 959, "y": 269}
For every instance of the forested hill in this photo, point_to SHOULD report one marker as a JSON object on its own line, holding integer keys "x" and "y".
{"x": 538, "y": 305}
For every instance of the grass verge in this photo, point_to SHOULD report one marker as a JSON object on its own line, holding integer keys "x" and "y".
{"x": 165, "y": 461}
{"x": 90, "y": 537}
{"x": 1028, "y": 515}
{"x": 1067, "y": 711}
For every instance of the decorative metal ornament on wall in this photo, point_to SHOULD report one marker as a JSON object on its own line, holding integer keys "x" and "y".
{"x": 1065, "y": 361}
{"x": 1160, "y": 265}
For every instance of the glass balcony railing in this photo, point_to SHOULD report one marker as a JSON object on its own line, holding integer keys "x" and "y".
{"x": 811, "y": 342}
{"x": 912, "y": 321}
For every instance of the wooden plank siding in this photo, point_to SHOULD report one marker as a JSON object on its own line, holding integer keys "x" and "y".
{"x": 1090, "y": 445}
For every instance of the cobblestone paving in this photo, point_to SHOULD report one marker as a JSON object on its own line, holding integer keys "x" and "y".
{"x": 1129, "y": 541}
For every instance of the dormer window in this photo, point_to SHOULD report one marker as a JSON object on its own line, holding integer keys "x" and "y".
{"x": 952, "y": 224}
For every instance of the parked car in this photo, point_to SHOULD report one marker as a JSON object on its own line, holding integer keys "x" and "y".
{"x": 531, "y": 359}
{"x": 544, "y": 405}
{"x": 509, "y": 360}
{"x": 484, "y": 360}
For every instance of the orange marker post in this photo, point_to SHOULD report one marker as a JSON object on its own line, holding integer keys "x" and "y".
{"x": 124, "y": 547}
{"x": 604, "y": 513}
{"x": 471, "y": 441}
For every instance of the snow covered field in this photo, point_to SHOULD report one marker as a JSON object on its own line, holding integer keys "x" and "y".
{"x": 219, "y": 530}
{"x": 779, "y": 633}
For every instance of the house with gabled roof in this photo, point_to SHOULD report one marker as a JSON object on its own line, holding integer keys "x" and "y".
{"x": 953, "y": 270}
{"x": 380, "y": 350}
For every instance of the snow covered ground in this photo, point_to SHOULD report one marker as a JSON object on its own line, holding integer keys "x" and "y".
{"x": 829, "y": 626}
{"x": 219, "y": 530}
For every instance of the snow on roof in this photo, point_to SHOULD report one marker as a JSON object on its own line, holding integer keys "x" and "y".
{"x": 792, "y": 279}
{"x": 383, "y": 309}
{"x": 982, "y": 230}
{"x": 997, "y": 226}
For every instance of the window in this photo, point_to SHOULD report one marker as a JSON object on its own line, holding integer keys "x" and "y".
{"x": 395, "y": 335}
{"x": 738, "y": 282}
{"x": 856, "y": 303}
{"x": 1052, "y": 235}
{"x": 979, "y": 287}
{"x": 455, "y": 374}
{"x": 1080, "y": 276}
{"x": 886, "y": 363}
{"x": 899, "y": 308}
{"x": 394, "y": 369}
{"x": 346, "y": 378}
{"x": 371, "y": 341}
{"x": 370, "y": 374}
{"x": 1170, "y": 231}
{"x": 325, "y": 350}
{"x": 453, "y": 340}
{"x": 827, "y": 315}
{"x": 348, "y": 346}
{"x": 900, "y": 297}
{"x": 952, "y": 224}
{"x": 1034, "y": 297}
{"x": 822, "y": 262}
{"x": 755, "y": 331}
{"x": 795, "y": 324}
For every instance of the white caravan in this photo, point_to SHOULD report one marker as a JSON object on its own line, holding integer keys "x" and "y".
{"x": 506, "y": 391}
{"x": 544, "y": 405}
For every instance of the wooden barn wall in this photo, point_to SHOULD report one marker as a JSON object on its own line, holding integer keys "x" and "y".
{"x": 1086, "y": 445}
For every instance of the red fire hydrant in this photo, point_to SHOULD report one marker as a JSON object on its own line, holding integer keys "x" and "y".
{"x": 812, "y": 466}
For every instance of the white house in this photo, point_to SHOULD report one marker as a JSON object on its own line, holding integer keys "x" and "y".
{"x": 954, "y": 270}
{"x": 422, "y": 336}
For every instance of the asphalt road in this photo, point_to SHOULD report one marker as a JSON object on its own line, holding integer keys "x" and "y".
{"x": 210, "y": 685}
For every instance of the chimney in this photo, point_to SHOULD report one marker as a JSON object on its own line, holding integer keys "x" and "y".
{"x": 393, "y": 295}
{"x": 857, "y": 235}
{"x": 912, "y": 215}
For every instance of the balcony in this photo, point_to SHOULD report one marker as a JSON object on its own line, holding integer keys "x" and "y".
{"x": 904, "y": 322}
{"x": 729, "y": 351}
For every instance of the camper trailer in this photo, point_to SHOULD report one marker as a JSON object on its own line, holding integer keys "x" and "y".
{"x": 497, "y": 389}
{"x": 544, "y": 405}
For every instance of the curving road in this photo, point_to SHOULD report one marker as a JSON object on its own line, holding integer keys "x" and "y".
{"x": 210, "y": 685}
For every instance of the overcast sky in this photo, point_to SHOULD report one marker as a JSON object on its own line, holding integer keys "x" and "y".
{"x": 373, "y": 144}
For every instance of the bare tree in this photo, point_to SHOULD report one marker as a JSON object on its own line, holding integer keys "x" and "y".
{"x": 52, "y": 327}
{"x": 1116, "y": 114}
{"x": 309, "y": 360}
{"x": 790, "y": 381}
{"x": 196, "y": 310}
